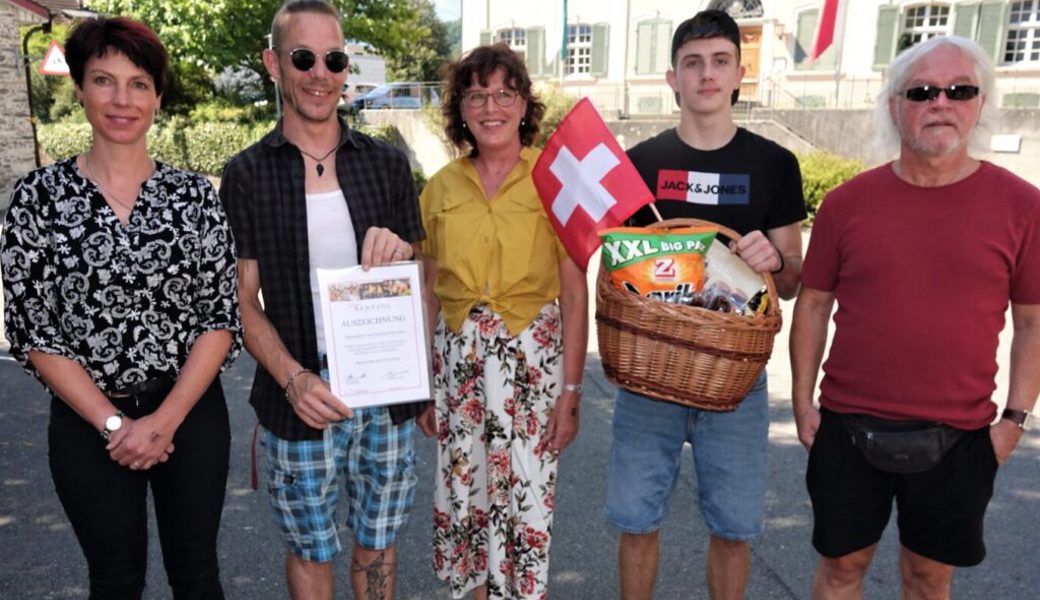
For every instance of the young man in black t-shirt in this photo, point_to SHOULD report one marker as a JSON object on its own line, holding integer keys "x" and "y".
{"x": 706, "y": 168}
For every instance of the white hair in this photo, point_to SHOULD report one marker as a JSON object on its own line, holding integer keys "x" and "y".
{"x": 887, "y": 139}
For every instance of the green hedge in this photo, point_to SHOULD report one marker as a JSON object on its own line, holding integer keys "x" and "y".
{"x": 202, "y": 146}
{"x": 206, "y": 146}
{"x": 821, "y": 173}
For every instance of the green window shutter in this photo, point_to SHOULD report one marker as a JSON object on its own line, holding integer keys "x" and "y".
{"x": 485, "y": 37}
{"x": 803, "y": 38}
{"x": 644, "y": 48}
{"x": 536, "y": 51}
{"x": 827, "y": 61}
{"x": 662, "y": 56}
{"x": 887, "y": 30}
{"x": 600, "y": 34}
{"x": 992, "y": 22}
{"x": 964, "y": 19}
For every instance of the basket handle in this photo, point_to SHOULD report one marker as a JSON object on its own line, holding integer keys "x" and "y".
{"x": 774, "y": 298}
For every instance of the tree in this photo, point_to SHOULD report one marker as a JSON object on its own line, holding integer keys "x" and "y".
{"x": 213, "y": 34}
{"x": 422, "y": 60}
{"x": 216, "y": 34}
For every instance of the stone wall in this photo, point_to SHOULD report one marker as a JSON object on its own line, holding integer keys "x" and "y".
{"x": 849, "y": 133}
{"x": 16, "y": 141}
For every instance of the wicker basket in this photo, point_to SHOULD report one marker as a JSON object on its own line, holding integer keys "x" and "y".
{"x": 689, "y": 355}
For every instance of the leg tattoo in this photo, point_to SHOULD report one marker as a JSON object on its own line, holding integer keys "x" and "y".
{"x": 377, "y": 574}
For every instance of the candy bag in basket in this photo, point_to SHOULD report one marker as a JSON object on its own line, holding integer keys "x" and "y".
{"x": 682, "y": 266}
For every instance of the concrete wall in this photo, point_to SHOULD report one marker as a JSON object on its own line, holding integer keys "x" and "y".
{"x": 843, "y": 132}
{"x": 16, "y": 143}
{"x": 427, "y": 149}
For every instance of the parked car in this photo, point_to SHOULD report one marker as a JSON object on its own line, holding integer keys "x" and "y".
{"x": 402, "y": 96}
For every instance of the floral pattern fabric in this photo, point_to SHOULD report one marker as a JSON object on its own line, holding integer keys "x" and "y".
{"x": 496, "y": 481}
{"x": 126, "y": 302}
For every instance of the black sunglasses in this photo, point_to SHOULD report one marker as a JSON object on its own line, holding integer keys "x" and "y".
{"x": 928, "y": 93}
{"x": 303, "y": 59}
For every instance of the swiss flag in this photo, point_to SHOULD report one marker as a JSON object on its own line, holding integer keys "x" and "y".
{"x": 586, "y": 181}
{"x": 824, "y": 29}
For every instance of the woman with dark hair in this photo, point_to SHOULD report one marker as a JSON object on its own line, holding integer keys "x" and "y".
{"x": 510, "y": 340}
{"x": 119, "y": 282}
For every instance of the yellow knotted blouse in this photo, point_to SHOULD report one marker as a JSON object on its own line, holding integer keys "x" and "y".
{"x": 501, "y": 252}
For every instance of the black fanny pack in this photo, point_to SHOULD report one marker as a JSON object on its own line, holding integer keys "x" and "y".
{"x": 900, "y": 446}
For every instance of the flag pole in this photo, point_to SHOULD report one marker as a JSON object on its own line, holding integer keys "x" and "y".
{"x": 841, "y": 47}
{"x": 563, "y": 47}
{"x": 653, "y": 207}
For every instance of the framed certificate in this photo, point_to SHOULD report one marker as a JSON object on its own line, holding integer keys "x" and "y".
{"x": 376, "y": 337}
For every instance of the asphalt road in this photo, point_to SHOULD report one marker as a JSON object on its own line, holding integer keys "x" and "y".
{"x": 39, "y": 557}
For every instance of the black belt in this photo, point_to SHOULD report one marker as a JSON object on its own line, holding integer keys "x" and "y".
{"x": 149, "y": 386}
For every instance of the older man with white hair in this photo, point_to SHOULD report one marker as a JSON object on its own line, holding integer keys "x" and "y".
{"x": 923, "y": 255}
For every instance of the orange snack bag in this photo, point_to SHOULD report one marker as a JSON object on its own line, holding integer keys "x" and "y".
{"x": 665, "y": 265}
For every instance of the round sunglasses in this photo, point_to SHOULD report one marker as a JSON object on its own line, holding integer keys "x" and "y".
{"x": 928, "y": 93}
{"x": 303, "y": 59}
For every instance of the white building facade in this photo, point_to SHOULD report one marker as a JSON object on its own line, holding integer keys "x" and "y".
{"x": 618, "y": 50}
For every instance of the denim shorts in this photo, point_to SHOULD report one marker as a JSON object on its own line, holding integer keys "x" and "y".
{"x": 729, "y": 457}
{"x": 372, "y": 458}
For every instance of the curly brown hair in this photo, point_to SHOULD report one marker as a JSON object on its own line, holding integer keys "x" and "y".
{"x": 480, "y": 63}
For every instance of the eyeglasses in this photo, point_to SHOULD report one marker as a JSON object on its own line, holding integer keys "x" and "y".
{"x": 928, "y": 93}
{"x": 503, "y": 97}
{"x": 303, "y": 59}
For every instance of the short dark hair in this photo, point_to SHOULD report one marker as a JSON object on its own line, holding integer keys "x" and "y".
{"x": 706, "y": 25}
{"x": 481, "y": 62}
{"x": 292, "y": 7}
{"x": 133, "y": 39}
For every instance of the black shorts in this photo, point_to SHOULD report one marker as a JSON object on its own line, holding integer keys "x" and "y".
{"x": 940, "y": 510}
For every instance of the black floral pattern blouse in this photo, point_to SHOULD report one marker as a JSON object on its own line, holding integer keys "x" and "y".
{"x": 126, "y": 302}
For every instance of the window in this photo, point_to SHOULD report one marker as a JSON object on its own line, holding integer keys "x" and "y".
{"x": 579, "y": 49}
{"x": 1023, "y": 35}
{"x": 923, "y": 22}
{"x": 803, "y": 42}
{"x": 516, "y": 38}
{"x": 739, "y": 9}
{"x": 653, "y": 43}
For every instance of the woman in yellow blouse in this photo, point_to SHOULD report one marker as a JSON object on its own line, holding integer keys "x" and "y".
{"x": 510, "y": 341}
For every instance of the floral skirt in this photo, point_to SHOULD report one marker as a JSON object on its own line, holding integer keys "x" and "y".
{"x": 496, "y": 481}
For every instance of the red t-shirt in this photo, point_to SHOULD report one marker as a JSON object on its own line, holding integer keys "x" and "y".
{"x": 922, "y": 278}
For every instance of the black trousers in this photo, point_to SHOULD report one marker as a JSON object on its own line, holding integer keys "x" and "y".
{"x": 107, "y": 503}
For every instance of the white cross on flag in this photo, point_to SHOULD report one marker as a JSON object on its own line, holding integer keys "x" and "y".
{"x": 586, "y": 181}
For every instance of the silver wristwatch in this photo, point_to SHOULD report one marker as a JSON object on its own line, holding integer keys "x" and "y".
{"x": 112, "y": 425}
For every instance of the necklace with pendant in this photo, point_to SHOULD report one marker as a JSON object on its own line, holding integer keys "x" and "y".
{"x": 92, "y": 175}
{"x": 320, "y": 167}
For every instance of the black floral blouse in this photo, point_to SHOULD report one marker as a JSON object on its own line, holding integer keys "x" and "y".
{"x": 126, "y": 302}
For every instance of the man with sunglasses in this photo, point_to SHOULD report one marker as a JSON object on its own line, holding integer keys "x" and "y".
{"x": 706, "y": 168}
{"x": 923, "y": 255}
{"x": 315, "y": 194}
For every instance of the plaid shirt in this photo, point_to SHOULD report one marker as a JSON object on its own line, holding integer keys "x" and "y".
{"x": 263, "y": 193}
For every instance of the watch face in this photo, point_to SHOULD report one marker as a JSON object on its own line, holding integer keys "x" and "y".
{"x": 113, "y": 423}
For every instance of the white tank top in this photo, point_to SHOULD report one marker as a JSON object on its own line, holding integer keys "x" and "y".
{"x": 331, "y": 243}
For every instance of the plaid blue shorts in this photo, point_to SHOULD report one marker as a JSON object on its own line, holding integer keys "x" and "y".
{"x": 375, "y": 461}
